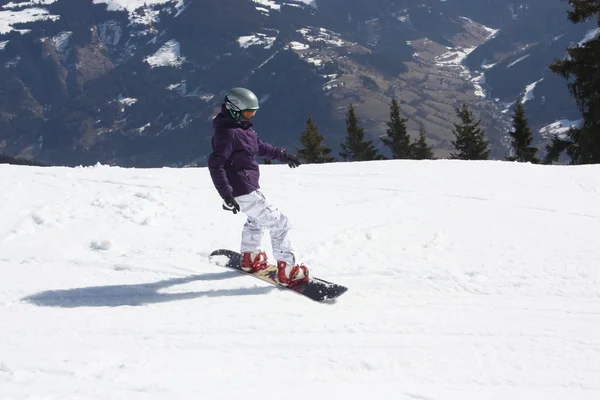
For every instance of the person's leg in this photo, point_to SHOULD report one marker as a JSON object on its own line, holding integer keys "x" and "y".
{"x": 253, "y": 258}
{"x": 262, "y": 214}
{"x": 268, "y": 216}
{"x": 252, "y": 235}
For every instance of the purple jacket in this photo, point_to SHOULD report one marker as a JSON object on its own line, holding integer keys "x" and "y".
{"x": 232, "y": 164}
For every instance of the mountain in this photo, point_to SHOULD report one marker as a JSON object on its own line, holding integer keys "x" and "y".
{"x": 136, "y": 83}
{"x": 515, "y": 62}
{"x": 463, "y": 284}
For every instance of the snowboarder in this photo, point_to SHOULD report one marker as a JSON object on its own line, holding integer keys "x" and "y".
{"x": 234, "y": 171}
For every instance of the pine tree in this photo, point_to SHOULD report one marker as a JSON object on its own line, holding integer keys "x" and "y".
{"x": 558, "y": 145}
{"x": 356, "y": 148}
{"x": 522, "y": 137}
{"x": 397, "y": 139}
{"x": 581, "y": 68}
{"x": 470, "y": 143}
{"x": 419, "y": 149}
{"x": 313, "y": 152}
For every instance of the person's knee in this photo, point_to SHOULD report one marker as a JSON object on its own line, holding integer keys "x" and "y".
{"x": 282, "y": 227}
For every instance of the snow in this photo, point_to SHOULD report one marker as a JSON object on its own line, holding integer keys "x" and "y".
{"x": 454, "y": 59}
{"x": 268, "y": 3}
{"x": 147, "y": 15}
{"x": 180, "y": 7}
{"x": 127, "y": 101}
{"x": 317, "y": 35}
{"x": 517, "y": 61}
{"x": 167, "y": 55}
{"x": 10, "y": 18}
{"x": 514, "y": 14}
{"x": 299, "y": 46}
{"x": 491, "y": 31}
{"x": 467, "y": 281}
{"x": 529, "y": 91}
{"x": 61, "y": 41}
{"x": 182, "y": 89}
{"x": 321, "y": 35}
{"x": 477, "y": 82}
{"x": 334, "y": 83}
{"x": 28, "y": 3}
{"x": 559, "y": 128}
{"x": 590, "y": 35}
{"x": 13, "y": 63}
{"x": 312, "y": 3}
{"x": 143, "y": 128}
{"x": 263, "y": 99}
{"x": 206, "y": 97}
{"x": 486, "y": 65}
{"x": 258, "y": 39}
{"x": 272, "y": 56}
{"x": 177, "y": 86}
{"x": 455, "y": 56}
{"x": 130, "y": 5}
{"x": 316, "y": 61}
{"x": 402, "y": 16}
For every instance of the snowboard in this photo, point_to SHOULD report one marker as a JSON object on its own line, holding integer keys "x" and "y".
{"x": 315, "y": 289}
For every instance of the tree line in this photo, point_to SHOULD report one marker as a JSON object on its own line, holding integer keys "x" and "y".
{"x": 582, "y": 144}
{"x": 19, "y": 161}
{"x": 469, "y": 142}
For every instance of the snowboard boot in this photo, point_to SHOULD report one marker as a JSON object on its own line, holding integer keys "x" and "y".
{"x": 253, "y": 262}
{"x": 291, "y": 276}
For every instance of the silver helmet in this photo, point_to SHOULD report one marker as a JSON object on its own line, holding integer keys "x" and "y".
{"x": 238, "y": 100}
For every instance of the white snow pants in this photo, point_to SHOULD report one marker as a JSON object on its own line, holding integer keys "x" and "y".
{"x": 261, "y": 214}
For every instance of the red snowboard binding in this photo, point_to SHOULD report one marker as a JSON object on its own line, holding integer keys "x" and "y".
{"x": 297, "y": 274}
{"x": 253, "y": 262}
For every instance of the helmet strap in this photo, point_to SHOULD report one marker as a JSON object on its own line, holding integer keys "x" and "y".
{"x": 233, "y": 110}
{"x": 235, "y": 114}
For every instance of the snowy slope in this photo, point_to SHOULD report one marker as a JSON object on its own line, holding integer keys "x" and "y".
{"x": 468, "y": 280}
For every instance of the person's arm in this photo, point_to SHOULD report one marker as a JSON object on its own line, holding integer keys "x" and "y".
{"x": 269, "y": 151}
{"x": 275, "y": 153}
{"x": 222, "y": 148}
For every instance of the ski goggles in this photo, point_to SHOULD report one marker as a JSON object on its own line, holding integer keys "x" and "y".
{"x": 248, "y": 114}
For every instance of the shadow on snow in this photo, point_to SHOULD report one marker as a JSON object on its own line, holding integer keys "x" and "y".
{"x": 137, "y": 295}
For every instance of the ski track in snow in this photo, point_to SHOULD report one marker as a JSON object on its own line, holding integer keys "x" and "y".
{"x": 467, "y": 280}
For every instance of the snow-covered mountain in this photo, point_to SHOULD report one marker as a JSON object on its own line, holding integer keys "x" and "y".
{"x": 467, "y": 281}
{"x": 136, "y": 82}
{"x": 515, "y": 62}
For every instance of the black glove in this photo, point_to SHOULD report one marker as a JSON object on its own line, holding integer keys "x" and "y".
{"x": 291, "y": 160}
{"x": 229, "y": 204}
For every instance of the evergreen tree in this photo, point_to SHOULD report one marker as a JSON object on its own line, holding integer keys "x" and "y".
{"x": 522, "y": 137}
{"x": 554, "y": 150}
{"x": 19, "y": 161}
{"x": 397, "y": 139}
{"x": 470, "y": 143}
{"x": 581, "y": 68}
{"x": 419, "y": 149}
{"x": 313, "y": 152}
{"x": 356, "y": 148}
